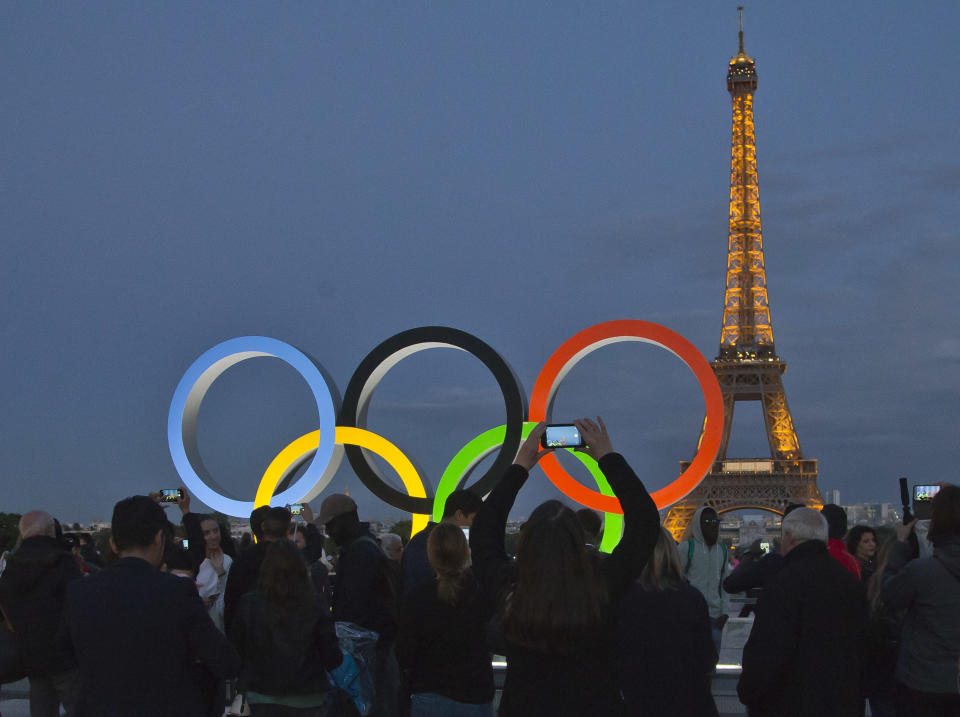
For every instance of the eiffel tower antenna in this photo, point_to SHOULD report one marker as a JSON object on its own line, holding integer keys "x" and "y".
{"x": 740, "y": 11}
{"x": 747, "y": 365}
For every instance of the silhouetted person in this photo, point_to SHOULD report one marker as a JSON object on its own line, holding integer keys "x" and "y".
{"x": 272, "y": 524}
{"x": 442, "y": 635}
{"x": 836, "y": 518}
{"x": 592, "y": 526}
{"x": 32, "y": 590}
{"x": 459, "y": 510}
{"x": 137, "y": 632}
{"x": 929, "y": 590}
{"x": 666, "y": 655}
{"x": 558, "y": 603}
{"x": 803, "y": 655}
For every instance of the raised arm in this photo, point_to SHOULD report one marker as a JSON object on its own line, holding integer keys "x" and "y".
{"x": 488, "y": 554}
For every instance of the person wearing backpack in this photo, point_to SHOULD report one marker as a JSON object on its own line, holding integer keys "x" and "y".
{"x": 703, "y": 561}
{"x": 364, "y": 598}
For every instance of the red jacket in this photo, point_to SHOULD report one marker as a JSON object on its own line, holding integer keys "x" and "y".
{"x": 838, "y": 551}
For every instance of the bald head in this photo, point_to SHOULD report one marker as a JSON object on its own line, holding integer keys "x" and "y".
{"x": 37, "y": 522}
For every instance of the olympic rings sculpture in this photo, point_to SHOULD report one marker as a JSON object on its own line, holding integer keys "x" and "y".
{"x": 322, "y": 450}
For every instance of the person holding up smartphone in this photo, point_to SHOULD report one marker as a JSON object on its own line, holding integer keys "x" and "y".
{"x": 557, "y": 603}
{"x": 927, "y": 672}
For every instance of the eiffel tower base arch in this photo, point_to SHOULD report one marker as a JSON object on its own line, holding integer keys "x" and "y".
{"x": 726, "y": 491}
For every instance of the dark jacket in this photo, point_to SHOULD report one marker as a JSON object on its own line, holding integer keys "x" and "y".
{"x": 243, "y": 577}
{"x": 32, "y": 591}
{"x": 753, "y": 574}
{"x": 364, "y": 593}
{"x": 929, "y": 590}
{"x": 443, "y": 647}
{"x": 585, "y": 682}
{"x": 666, "y": 655}
{"x": 804, "y": 652}
{"x": 415, "y": 568}
{"x": 137, "y": 634}
{"x": 284, "y": 652}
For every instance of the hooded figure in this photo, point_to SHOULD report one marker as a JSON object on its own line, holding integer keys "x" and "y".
{"x": 703, "y": 560}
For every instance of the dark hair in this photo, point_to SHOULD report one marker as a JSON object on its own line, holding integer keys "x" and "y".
{"x": 792, "y": 507}
{"x": 463, "y": 500}
{"x": 179, "y": 558}
{"x": 284, "y": 581}
{"x": 256, "y": 520}
{"x": 590, "y": 522}
{"x": 855, "y": 535}
{"x": 836, "y": 520}
{"x": 136, "y": 521}
{"x": 945, "y": 516}
{"x": 449, "y": 554}
{"x": 275, "y": 524}
{"x": 558, "y": 601}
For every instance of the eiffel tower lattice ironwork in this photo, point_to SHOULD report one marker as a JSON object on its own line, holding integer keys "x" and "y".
{"x": 747, "y": 365}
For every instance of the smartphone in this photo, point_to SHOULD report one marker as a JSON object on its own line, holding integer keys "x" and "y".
{"x": 923, "y": 500}
{"x": 295, "y": 508}
{"x": 185, "y": 544}
{"x": 765, "y": 547}
{"x": 561, "y": 435}
{"x": 170, "y": 495}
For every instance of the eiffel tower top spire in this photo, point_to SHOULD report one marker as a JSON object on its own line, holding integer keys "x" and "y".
{"x": 747, "y": 333}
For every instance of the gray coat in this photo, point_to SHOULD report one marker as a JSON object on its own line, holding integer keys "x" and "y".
{"x": 929, "y": 590}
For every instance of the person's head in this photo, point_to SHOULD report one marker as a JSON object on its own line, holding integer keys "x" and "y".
{"x": 801, "y": 525}
{"x": 283, "y": 575}
{"x": 662, "y": 571}
{"x": 709, "y": 526}
{"x": 862, "y": 542}
{"x": 211, "y": 533}
{"x": 37, "y": 522}
{"x": 449, "y": 555}
{"x": 461, "y": 507}
{"x": 297, "y": 537}
{"x": 275, "y": 524}
{"x": 256, "y": 520}
{"x": 392, "y": 545}
{"x": 945, "y": 515}
{"x": 591, "y": 524}
{"x": 178, "y": 561}
{"x": 557, "y": 602}
{"x": 139, "y": 529}
{"x": 338, "y": 514}
{"x": 836, "y": 518}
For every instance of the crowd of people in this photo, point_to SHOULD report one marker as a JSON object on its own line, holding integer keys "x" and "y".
{"x": 277, "y": 626}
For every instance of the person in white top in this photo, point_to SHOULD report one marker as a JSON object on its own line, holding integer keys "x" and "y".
{"x": 212, "y": 575}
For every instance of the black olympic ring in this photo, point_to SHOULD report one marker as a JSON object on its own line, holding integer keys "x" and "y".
{"x": 381, "y": 359}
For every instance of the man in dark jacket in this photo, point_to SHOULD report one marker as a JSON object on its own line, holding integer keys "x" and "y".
{"x": 138, "y": 633}
{"x": 32, "y": 591}
{"x": 363, "y": 593}
{"x": 272, "y": 524}
{"x": 803, "y": 655}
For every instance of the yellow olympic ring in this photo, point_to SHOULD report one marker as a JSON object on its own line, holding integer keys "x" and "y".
{"x": 299, "y": 450}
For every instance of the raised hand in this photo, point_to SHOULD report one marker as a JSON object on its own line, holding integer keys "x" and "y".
{"x": 595, "y": 437}
{"x": 530, "y": 451}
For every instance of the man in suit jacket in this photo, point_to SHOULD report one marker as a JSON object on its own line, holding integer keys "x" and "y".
{"x": 138, "y": 633}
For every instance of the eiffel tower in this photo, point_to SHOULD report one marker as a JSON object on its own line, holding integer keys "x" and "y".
{"x": 747, "y": 365}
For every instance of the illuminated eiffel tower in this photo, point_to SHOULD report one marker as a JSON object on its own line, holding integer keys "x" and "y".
{"x": 747, "y": 365}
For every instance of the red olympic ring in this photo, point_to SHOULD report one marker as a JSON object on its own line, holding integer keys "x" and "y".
{"x": 592, "y": 338}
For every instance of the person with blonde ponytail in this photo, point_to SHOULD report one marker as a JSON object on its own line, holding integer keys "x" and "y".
{"x": 441, "y": 642}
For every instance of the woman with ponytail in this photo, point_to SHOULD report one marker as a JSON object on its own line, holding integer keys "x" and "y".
{"x": 441, "y": 641}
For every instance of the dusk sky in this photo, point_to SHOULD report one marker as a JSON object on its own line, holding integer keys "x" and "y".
{"x": 330, "y": 174}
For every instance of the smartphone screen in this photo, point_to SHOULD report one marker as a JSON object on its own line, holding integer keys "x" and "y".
{"x": 561, "y": 435}
{"x": 765, "y": 547}
{"x": 169, "y": 495}
{"x": 295, "y": 508}
{"x": 186, "y": 544}
{"x": 923, "y": 500}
